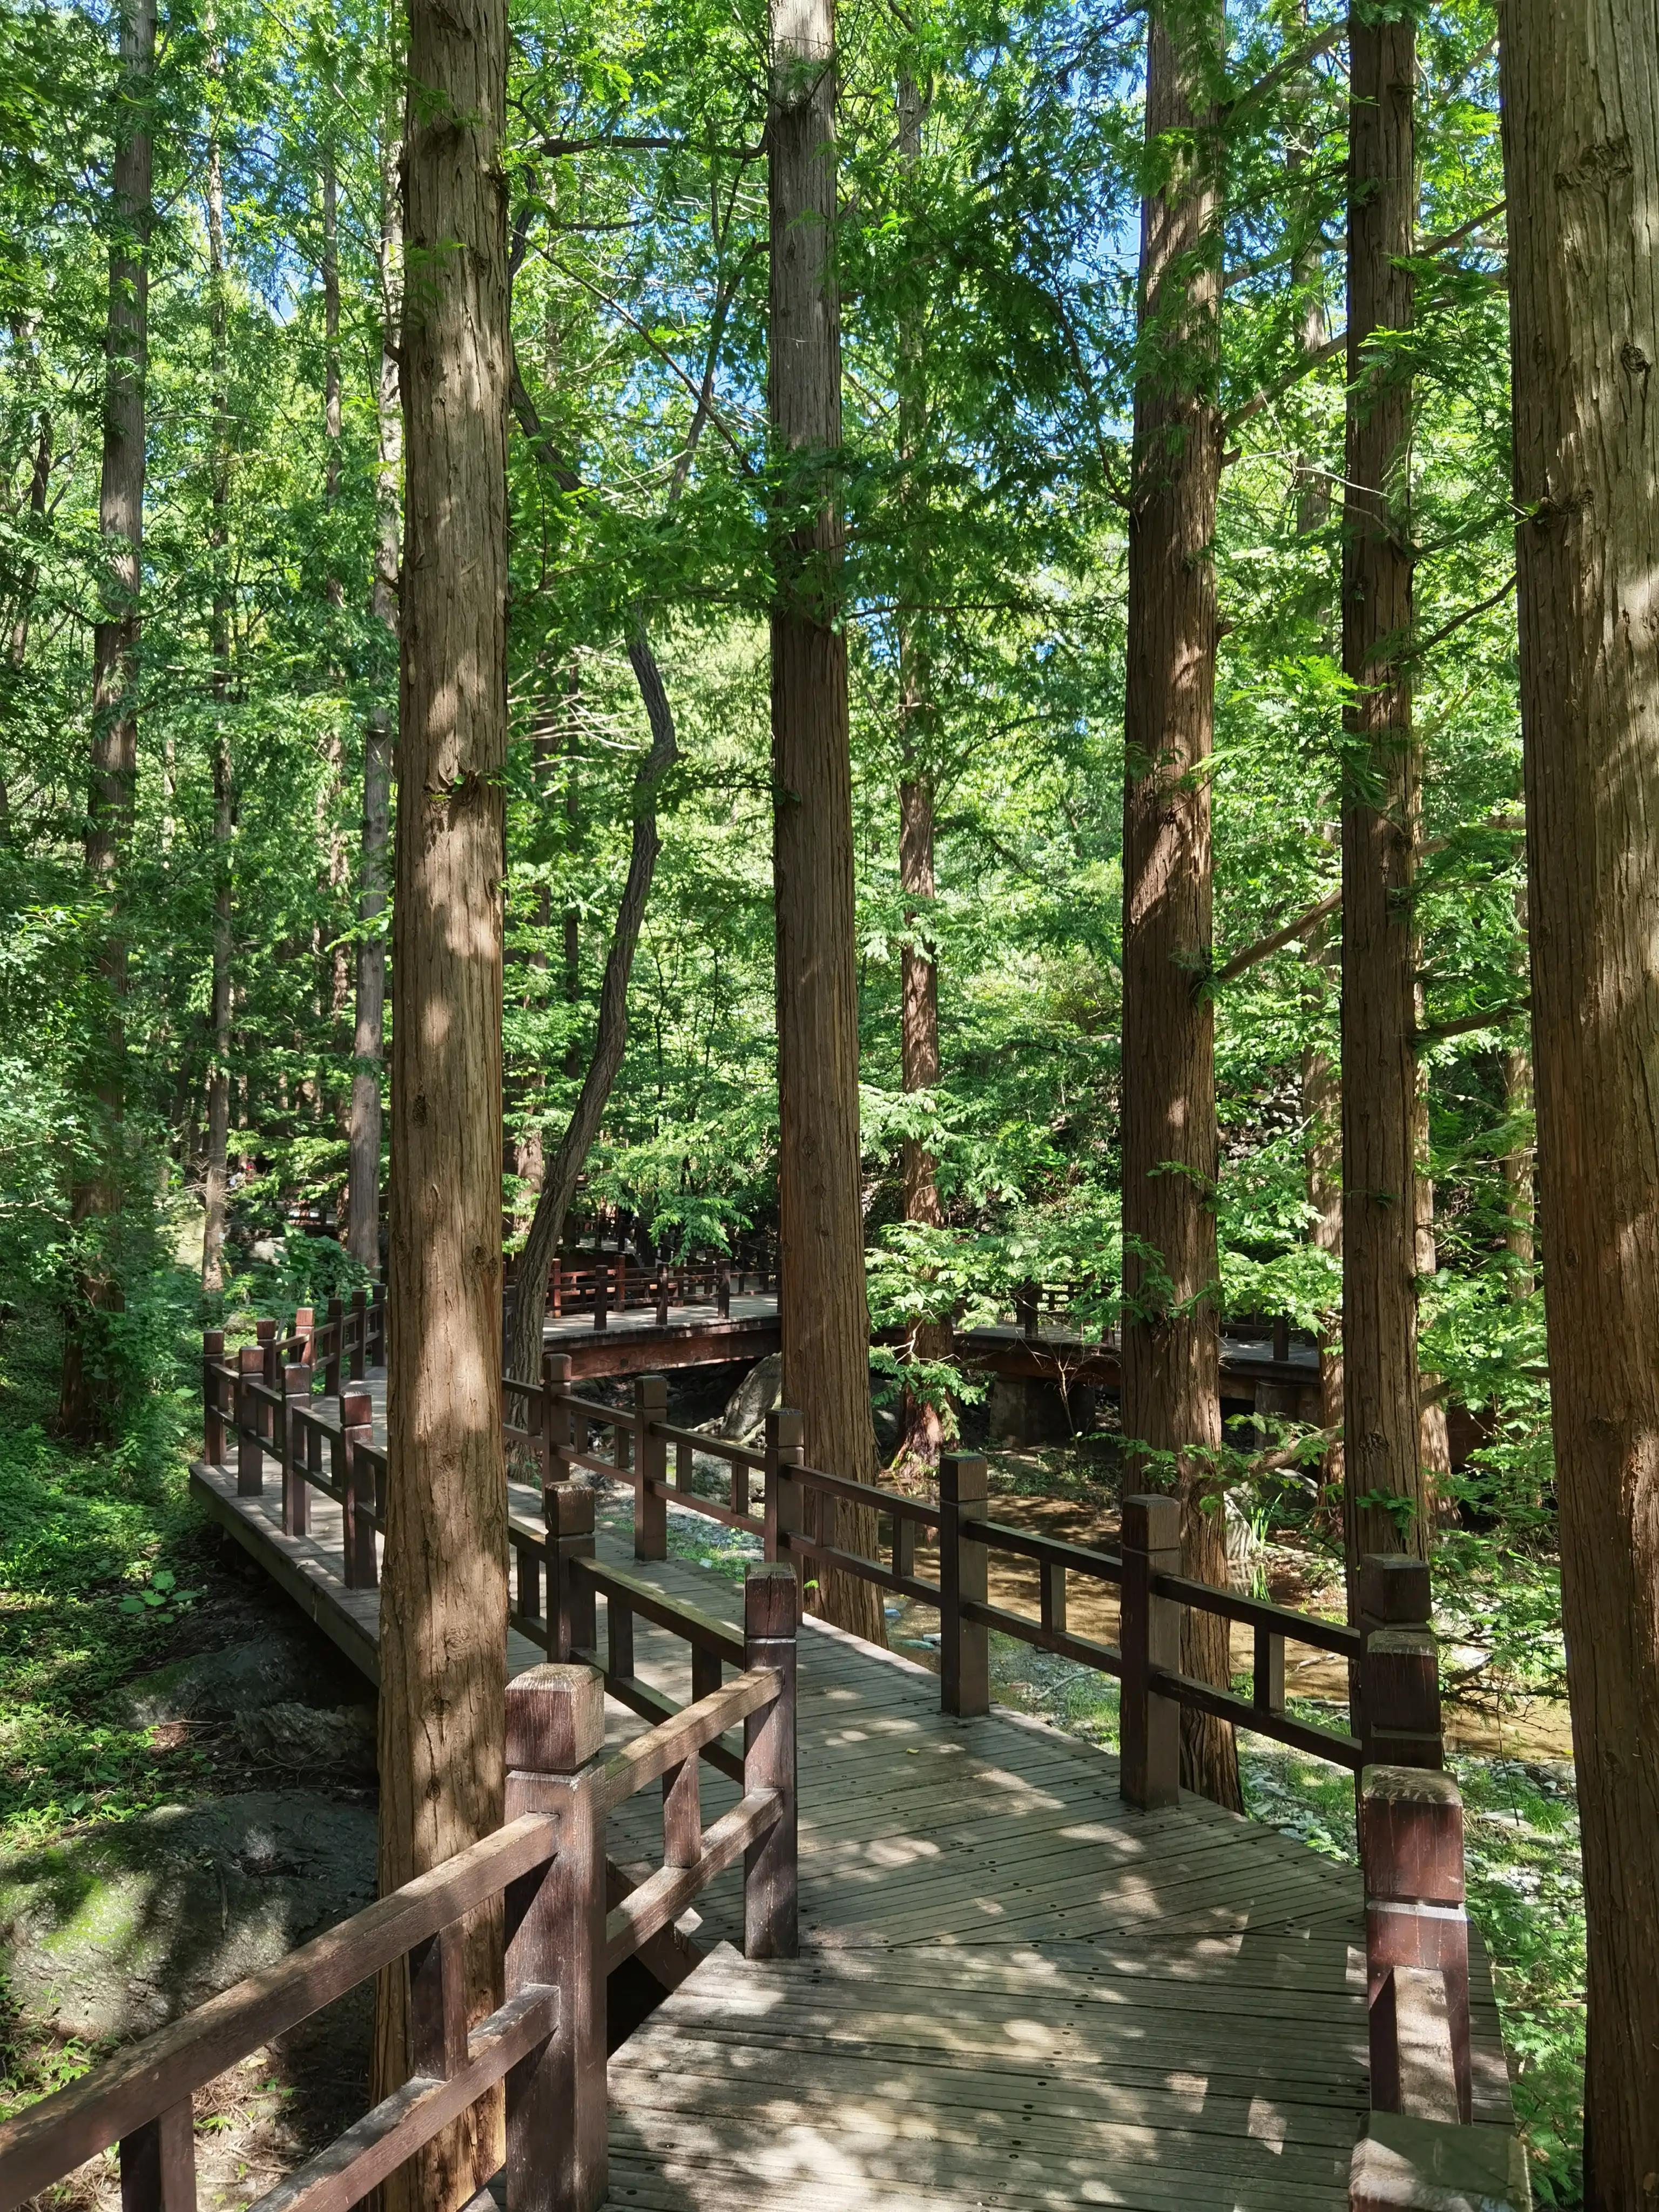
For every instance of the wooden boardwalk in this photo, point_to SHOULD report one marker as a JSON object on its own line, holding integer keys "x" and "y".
{"x": 1012, "y": 1988}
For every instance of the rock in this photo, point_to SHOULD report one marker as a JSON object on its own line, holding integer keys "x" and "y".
{"x": 245, "y": 1678}
{"x": 122, "y": 1926}
{"x": 760, "y": 1392}
{"x": 303, "y": 1737}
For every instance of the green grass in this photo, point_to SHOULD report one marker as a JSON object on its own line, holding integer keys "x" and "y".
{"x": 97, "y": 1553}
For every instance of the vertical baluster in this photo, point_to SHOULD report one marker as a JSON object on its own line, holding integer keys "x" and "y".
{"x": 158, "y": 2163}
{"x": 662, "y": 1295}
{"x": 964, "y": 1646}
{"x": 556, "y": 2119}
{"x": 555, "y": 1290}
{"x": 271, "y": 1360}
{"x": 250, "y": 1422}
{"x": 556, "y": 1434}
{"x": 771, "y": 1612}
{"x": 904, "y": 1546}
{"x": 377, "y": 1322}
{"x": 723, "y": 1291}
{"x": 619, "y": 1637}
{"x": 437, "y": 2004}
{"x": 354, "y": 1478}
{"x": 1053, "y": 1595}
{"x": 682, "y": 1465}
{"x": 334, "y": 1341}
{"x": 357, "y": 1336}
{"x": 1267, "y": 1675}
{"x": 296, "y": 1504}
{"x": 1149, "y": 1765}
{"x": 213, "y": 1418}
{"x": 784, "y": 1451}
{"x": 601, "y": 1291}
{"x": 650, "y": 1467}
{"x": 569, "y": 1513}
{"x": 305, "y": 1329}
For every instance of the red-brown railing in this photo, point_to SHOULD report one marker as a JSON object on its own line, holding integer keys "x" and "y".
{"x": 1393, "y": 1718}
{"x": 547, "y": 2040}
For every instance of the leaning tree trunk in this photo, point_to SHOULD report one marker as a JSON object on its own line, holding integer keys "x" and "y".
{"x": 217, "y": 1180}
{"x": 1580, "y": 142}
{"x": 560, "y": 1174}
{"x": 922, "y": 1431}
{"x": 83, "y": 1400}
{"x": 1379, "y": 816}
{"x": 369, "y": 1043}
{"x": 824, "y": 1301}
{"x": 1171, "y": 1356}
{"x": 443, "y": 1604}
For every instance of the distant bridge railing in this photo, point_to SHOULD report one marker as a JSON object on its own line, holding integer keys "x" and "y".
{"x": 602, "y": 1283}
{"x": 563, "y": 1937}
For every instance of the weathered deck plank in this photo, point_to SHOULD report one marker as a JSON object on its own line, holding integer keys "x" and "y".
{"x": 1014, "y": 1990}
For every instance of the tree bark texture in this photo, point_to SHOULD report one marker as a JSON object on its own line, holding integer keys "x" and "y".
{"x": 369, "y": 1043}
{"x": 1580, "y": 142}
{"x": 824, "y": 1309}
{"x": 1520, "y": 1206}
{"x": 83, "y": 1402}
{"x": 1171, "y": 1392}
{"x": 1321, "y": 1110}
{"x": 217, "y": 1193}
{"x": 1433, "y": 1438}
{"x": 1379, "y": 814}
{"x": 444, "y": 1598}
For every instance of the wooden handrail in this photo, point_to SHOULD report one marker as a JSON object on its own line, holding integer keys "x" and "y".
{"x": 163, "y": 2070}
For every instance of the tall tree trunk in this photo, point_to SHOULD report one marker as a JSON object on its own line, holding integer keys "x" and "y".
{"x": 1379, "y": 813}
{"x": 83, "y": 1402}
{"x": 218, "y": 1102}
{"x": 363, "y": 1173}
{"x": 443, "y": 1604}
{"x": 1321, "y": 1110}
{"x": 922, "y": 1431}
{"x": 329, "y": 825}
{"x": 1171, "y": 1391}
{"x": 1518, "y": 1159}
{"x": 825, "y": 1311}
{"x": 17, "y": 643}
{"x": 1580, "y": 142}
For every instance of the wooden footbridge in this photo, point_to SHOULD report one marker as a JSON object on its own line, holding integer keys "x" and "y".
{"x": 913, "y": 1951}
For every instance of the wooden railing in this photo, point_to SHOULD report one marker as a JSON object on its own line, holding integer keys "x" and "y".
{"x": 547, "y": 2040}
{"x": 601, "y": 1284}
{"x": 1411, "y": 1851}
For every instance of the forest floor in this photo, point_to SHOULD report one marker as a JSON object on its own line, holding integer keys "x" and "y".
{"x": 119, "y": 1772}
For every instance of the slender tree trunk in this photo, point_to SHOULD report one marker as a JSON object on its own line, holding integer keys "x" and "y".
{"x": 922, "y": 1430}
{"x": 1581, "y": 143}
{"x": 17, "y": 643}
{"x": 1379, "y": 814}
{"x": 218, "y": 1101}
{"x": 328, "y": 823}
{"x": 443, "y": 1604}
{"x": 1171, "y": 1396}
{"x": 610, "y": 1037}
{"x": 1433, "y": 1436}
{"x": 332, "y": 340}
{"x": 363, "y": 1174}
{"x": 1322, "y": 1111}
{"x": 1519, "y": 1211}
{"x": 824, "y": 1311}
{"x": 83, "y": 1402}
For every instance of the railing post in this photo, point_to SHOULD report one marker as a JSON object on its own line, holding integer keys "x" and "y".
{"x": 336, "y": 1325}
{"x": 601, "y": 1291}
{"x": 250, "y": 1422}
{"x": 650, "y": 1466}
{"x": 569, "y": 1516}
{"x": 662, "y": 1295}
{"x": 782, "y": 1507}
{"x": 358, "y": 1347}
{"x": 964, "y": 1646}
{"x": 158, "y": 2163}
{"x": 771, "y": 1616}
{"x": 555, "y": 1290}
{"x": 296, "y": 1400}
{"x": 555, "y": 1417}
{"x": 305, "y": 1328}
{"x": 1417, "y": 1942}
{"x": 377, "y": 1317}
{"x": 1393, "y": 1592}
{"x": 1400, "y": 1669}
{"x": 1149, "y": 1726}
{"x": 557, "y": 2117}
{"x": 723, "y": 1292}
{"x": 356, "y": 1483}
{"x": 269, "y": 1366}
{"x": 213, "y": 1415}
{"x": 1025, "y": 1309}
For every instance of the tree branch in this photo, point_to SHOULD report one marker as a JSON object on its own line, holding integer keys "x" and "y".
{"x": 1264, "y": 947}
